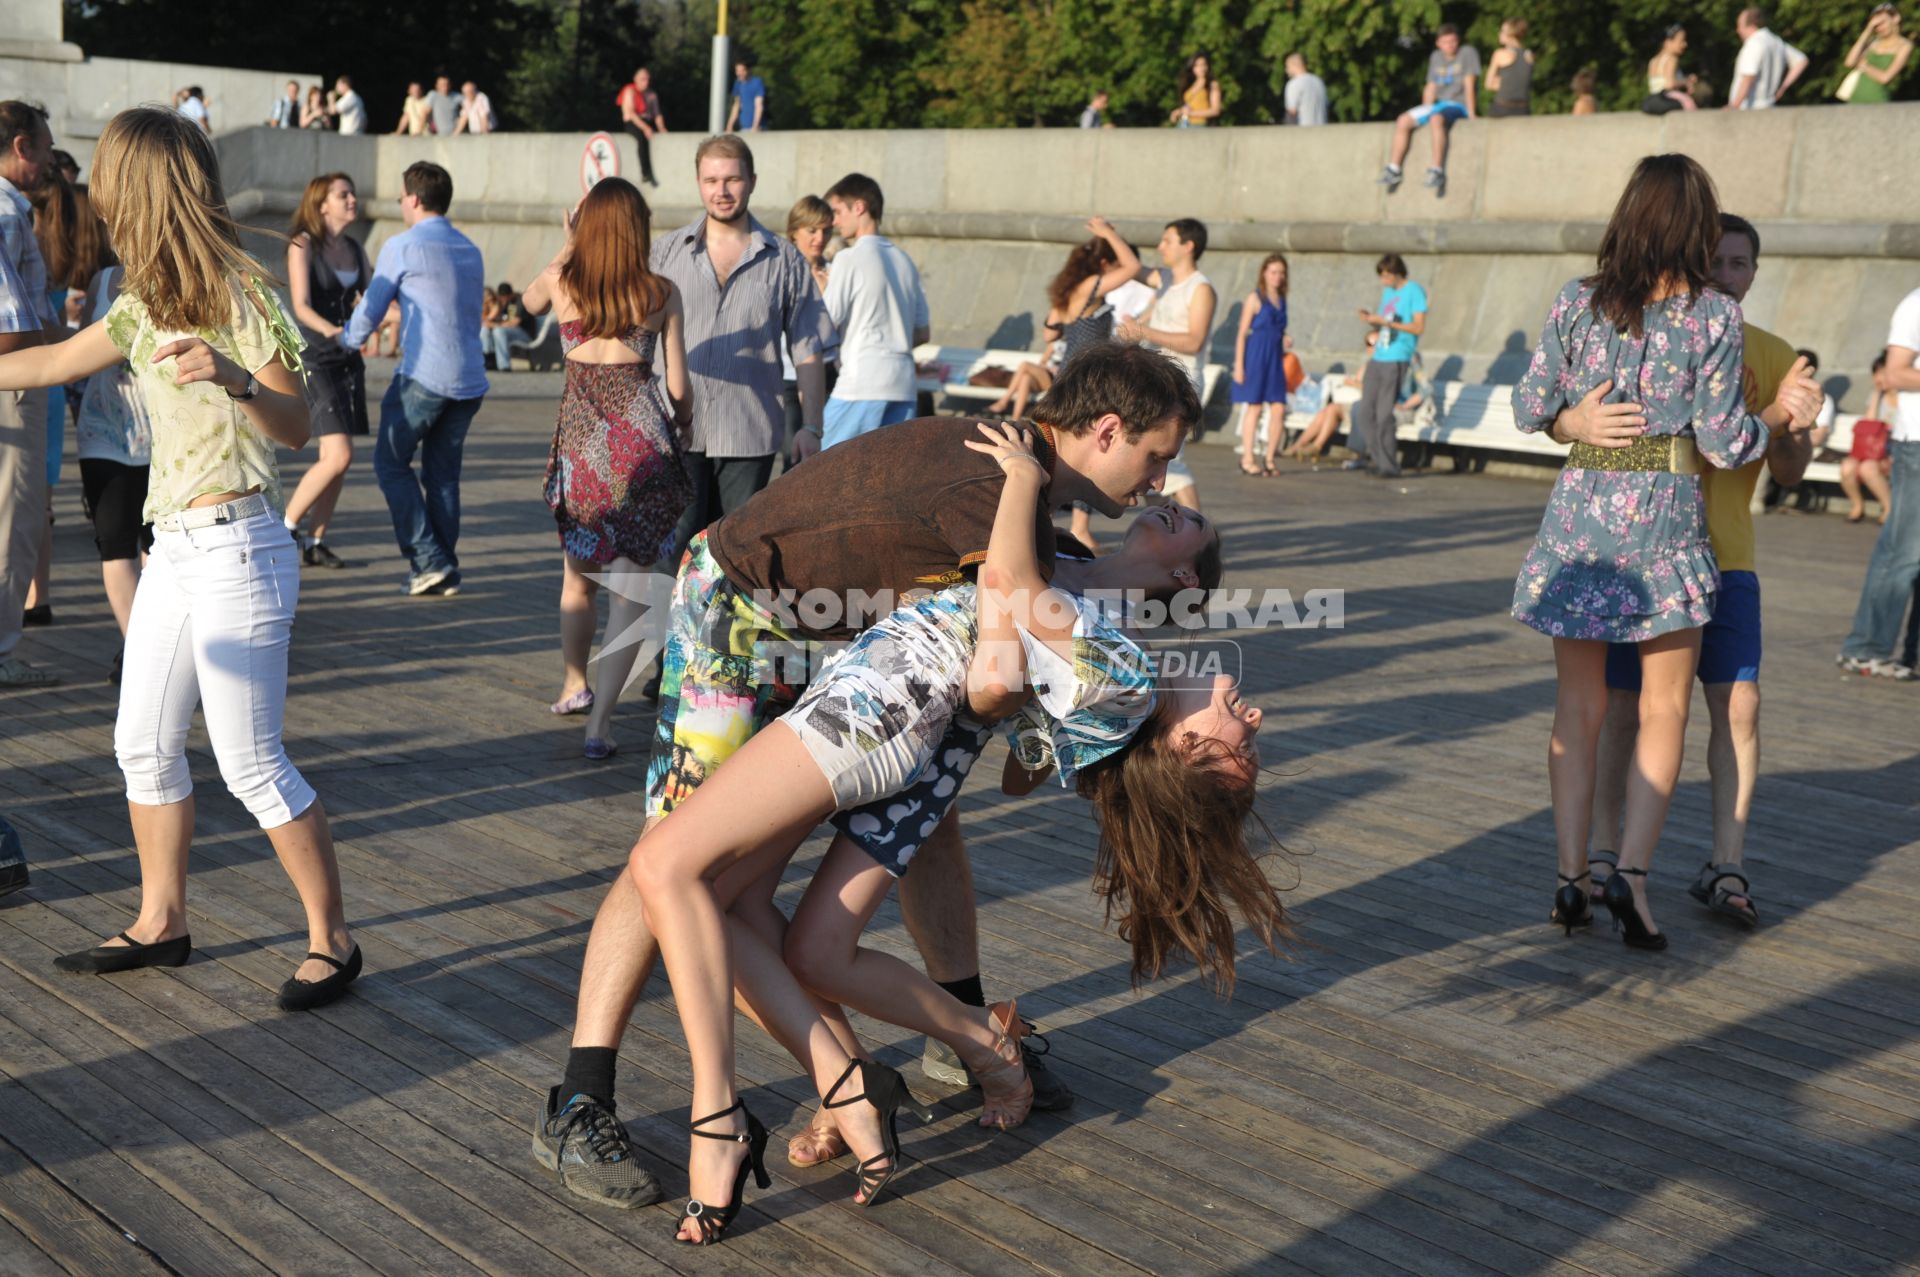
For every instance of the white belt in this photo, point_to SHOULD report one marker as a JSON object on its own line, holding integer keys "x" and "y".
{"x": 207, "y": 515}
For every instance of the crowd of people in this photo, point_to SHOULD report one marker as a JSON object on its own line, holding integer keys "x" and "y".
{"x": 196, "y": 372}
{"x": 439, "y": 111}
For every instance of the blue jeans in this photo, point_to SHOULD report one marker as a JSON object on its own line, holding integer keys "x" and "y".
{"x": 1894, "y": 569}
{"x": 413, "y": 418}
{"x": 498, "y": 343}
{"x": 846, "y": 419}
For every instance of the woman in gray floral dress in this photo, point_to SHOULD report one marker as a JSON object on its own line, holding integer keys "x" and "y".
{"x": 1622, "y": 555}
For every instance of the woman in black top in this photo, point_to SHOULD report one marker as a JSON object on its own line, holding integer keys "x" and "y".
{"x": 327, "y": 270}
{"x": 1510, "y": 73}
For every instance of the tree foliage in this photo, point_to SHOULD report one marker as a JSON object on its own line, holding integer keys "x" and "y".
{"x": 555, "y": 64}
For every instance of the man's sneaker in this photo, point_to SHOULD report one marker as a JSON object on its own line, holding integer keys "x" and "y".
{"x": 437, "y": 581}
{"x": 15, "y": 672}
{"x": 939, "y": 1063}
{"x": 1875, "y": 667}
{"x": 1390, "y": 178}
{"x": 1050, "y": 1095}
{"x": 588, "y": 1147}
{"x": 1437, "y": 180}
{"x": 1354, "y": 463}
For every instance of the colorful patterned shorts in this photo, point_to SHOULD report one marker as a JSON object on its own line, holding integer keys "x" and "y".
{"x": 724, "y": 675}
{"x": 722, "y": 680}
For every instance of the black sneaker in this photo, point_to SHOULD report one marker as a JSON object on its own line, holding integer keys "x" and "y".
{"x": 589, "y": 1148}
{"x": 317, "y": 555}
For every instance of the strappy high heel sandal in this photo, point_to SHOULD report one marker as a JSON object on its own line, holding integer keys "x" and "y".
{"x": 1571, "y": 905}
{"x": 1597, "y": 886}
{"x": 712, "y": 1224}
{"x": 887, "y": 1091}
{"x": 1626, "y": 919}
{"x": 1006, "y": 1092}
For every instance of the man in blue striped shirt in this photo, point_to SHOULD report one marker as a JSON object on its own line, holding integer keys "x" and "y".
{"x": 440, "y": 280}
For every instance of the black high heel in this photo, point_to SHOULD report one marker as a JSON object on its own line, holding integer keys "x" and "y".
{"x": 107, "y": 959}
{"x": 1626, "y": 918}
{"x": 1571, "y": 906}
{"x": 711, "y": 1224}
{"x": 886, "y": 1090}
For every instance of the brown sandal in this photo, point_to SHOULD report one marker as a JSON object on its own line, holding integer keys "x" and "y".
{"x": 818, "y": 1144}
{"x": 1006, "y": 1092}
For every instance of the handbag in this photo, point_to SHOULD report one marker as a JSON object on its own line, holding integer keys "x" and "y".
{"x": 992, "y": 378}
{"x": 1848, "y": 85}
{"x": 1869, "y": 440}
{"x": 1295, "y": 371}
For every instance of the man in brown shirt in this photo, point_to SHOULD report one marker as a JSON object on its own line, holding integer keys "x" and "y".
{"x": 820, "y": 554}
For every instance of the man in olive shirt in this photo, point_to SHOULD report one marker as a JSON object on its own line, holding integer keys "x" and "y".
{"x": 903, "y": 508}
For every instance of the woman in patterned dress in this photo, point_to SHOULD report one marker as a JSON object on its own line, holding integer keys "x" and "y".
{"x": 1622, "y": 555}
{"x": 1170, "y": 772}
{"x": 615, "y": 480}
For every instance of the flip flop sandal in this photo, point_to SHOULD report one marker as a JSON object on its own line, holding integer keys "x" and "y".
{"x": 1708, "y": 891}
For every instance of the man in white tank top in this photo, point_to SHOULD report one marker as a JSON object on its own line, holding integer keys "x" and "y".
{"x": 1178, "y": 323}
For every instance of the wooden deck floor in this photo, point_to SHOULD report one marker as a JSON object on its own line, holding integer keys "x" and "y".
{"x": 1435, "y": 1083}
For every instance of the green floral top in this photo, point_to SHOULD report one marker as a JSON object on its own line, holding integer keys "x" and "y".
{"x": 202, "y": 441}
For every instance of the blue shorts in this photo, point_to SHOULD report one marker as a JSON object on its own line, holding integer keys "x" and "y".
{"x": 1448, "y": 110}
{"x": 892, "y": 829}
{"x": 1729, "y": 646}
{"x": 847, "y": 419}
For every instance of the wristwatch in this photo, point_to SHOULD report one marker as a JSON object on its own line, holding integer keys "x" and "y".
{"x": 253, "y": 388}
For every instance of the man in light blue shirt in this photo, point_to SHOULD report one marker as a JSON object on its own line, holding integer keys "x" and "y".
{"x": 439, "y": 278}
{"x": 1398, "y": 324}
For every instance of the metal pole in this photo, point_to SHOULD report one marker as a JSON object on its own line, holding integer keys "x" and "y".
{"x": 717, "y": 95}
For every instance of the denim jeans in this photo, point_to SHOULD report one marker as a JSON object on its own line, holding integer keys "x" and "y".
{"x": 1894, "y": 569}
{"x": 498, "y": 342}
{"x": 721, "y": 485}
{"x": 413, "y": 418}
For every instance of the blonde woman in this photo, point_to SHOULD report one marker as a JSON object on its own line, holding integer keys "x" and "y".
{"x": 327, "y": 270}
{"x": 217, "y": 365}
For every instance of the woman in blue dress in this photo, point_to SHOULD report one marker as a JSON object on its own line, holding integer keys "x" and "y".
{"x": 1259, "y": 360}
{"x": 1622, "y": 555}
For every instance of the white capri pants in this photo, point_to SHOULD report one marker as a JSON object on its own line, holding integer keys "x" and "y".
{"x": 211, "y": 624}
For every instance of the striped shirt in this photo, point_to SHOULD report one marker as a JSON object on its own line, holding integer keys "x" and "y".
{"x": 28, "y": 292}
{"x": 733, "y": 334}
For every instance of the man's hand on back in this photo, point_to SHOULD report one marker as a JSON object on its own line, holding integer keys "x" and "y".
{"x": 1604, "y": 425}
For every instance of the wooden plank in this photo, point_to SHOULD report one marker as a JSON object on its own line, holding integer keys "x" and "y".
{"x": 47, "y": 1230}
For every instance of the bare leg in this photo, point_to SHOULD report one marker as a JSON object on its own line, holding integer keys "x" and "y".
{"x": 741, "y": 824}
{"x": 1402, "y": 138}
{"x": 1440, "y": 129}
{"x": 1249, "y": 434}
{"x": 1666, "y": 685}
{"x": 320, "y": 486}
{"x": 1874, "y": 475}
{"x": 1580, "y": 707}
{"x": 620, "y": 647}
{"x": 122, "y": 577}
{"x": 1733, "y": 763}
{"x": 305, "y": 847}
{"x": 1850, "y": 484}
{"x": 619, "y": 958}
{"x": 1035, "y": 381}
{"x": 1615, "y": 756}
{"x": 161, "y": 836}
{"x": 1081, "y": 526}
{"x": 578, "y": 617}
{"x": 937, "y": 903}
{"x": 823, "y": 949}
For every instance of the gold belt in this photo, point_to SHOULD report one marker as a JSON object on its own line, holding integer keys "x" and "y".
{"x": 1675, "y": 454}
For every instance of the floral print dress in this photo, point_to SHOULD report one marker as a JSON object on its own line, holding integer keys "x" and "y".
{"x": 1623, "y": 556}
{"x": 615, "y": 480}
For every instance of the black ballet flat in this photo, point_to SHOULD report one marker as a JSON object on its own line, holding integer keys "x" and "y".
{"x": 306, "y": 995}
{"x": 107, "y": 959}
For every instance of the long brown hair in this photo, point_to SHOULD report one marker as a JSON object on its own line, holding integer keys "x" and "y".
{"x": 72, "y": 238}
{"x": 310, "y": 219}
{"x": 1086, "y": 260}
{"x": 1661, "y": 236}
{"x": 606, "y": 274}
{"x": 156, "y": 180}
{"x": 1176, "y": 861}
{"x": 1286, "y": 275}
